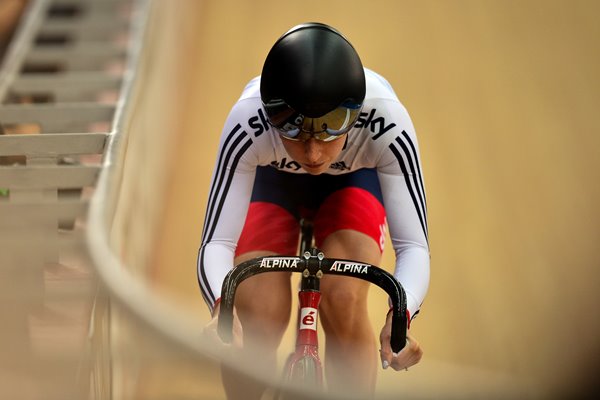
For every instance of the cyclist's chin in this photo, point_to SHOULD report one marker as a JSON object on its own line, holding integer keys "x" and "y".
{"x": 315, "y": 169}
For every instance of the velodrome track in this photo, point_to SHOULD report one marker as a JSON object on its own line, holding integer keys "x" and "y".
{"x": 504, "y": 97}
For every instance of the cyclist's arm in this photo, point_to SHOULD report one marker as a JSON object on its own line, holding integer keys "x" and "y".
{"x": 229, "y": 197}
{"x": 408, "y": 239}
{"x": 401, "y": 179}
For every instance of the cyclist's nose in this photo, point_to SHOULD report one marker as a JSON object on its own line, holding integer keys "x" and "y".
{"x": 312, "y": 150}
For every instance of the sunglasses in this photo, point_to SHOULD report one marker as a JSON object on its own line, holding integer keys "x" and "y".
{"x": 294, "y": 126}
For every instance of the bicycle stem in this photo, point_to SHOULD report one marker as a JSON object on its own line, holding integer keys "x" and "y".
{"x": 309, "y": 298}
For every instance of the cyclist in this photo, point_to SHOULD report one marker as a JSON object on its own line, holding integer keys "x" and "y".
{"x": 317, "y": 135}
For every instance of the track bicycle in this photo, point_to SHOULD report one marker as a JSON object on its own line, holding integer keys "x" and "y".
{"x": 303, "y": 367}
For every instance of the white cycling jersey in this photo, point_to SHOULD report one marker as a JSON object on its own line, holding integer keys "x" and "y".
{"x": 383, "y": 138}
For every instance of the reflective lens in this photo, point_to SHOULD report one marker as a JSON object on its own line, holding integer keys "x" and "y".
{"x": 295, "y": 126}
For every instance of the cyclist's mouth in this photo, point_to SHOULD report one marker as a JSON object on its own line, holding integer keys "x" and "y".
{"x": 313, "y": 166}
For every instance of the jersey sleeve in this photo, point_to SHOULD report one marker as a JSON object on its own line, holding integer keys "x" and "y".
{"x": 401, "y": 179}
{"x": 228, "y": 201}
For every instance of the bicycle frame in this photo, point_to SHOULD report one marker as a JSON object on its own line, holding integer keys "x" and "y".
{"x": 304, "y": 365}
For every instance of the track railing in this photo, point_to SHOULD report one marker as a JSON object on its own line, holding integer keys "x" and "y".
{"x": 80, "y": 91}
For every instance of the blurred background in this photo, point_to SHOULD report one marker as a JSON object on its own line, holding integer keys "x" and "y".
{"x": 504, "y": 98}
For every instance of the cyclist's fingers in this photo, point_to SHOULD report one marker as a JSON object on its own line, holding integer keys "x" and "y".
{"x": 397, "y": 361}
{"x": 386, "y": 358}
{"x": 210, "y": 332}
{"x": 410, "y": 355}
{"x": 385, "y": 352}
{"x": 238, "y": 332}
{"x": 211, "y": 336}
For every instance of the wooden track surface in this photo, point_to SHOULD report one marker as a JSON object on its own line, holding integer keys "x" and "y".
{"x": 504, "y": 96}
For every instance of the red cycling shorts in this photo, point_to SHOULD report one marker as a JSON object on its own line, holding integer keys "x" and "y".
{"x": 333, "y": 202}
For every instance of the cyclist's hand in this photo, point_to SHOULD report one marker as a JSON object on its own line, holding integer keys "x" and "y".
{"x": 410, "y": 355}
{"x": 211, "y": 334}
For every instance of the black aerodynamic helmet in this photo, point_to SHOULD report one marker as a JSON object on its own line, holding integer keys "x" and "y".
{"x": 312, "y": 81}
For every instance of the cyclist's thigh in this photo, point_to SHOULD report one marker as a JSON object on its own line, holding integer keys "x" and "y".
{"x": 350, "y": 224}
{"x": 263, "y": 302}
{"x": 263, "y": 305}
{"x": 344, "y": 306}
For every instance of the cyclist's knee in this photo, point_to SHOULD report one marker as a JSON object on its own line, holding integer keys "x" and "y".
{"x": 263, "y": 304}
{"x": 344, "y": 302}
{"x": 340, "y": 301}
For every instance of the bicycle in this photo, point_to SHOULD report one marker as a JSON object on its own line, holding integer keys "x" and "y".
{"x": 303, "y": 367}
